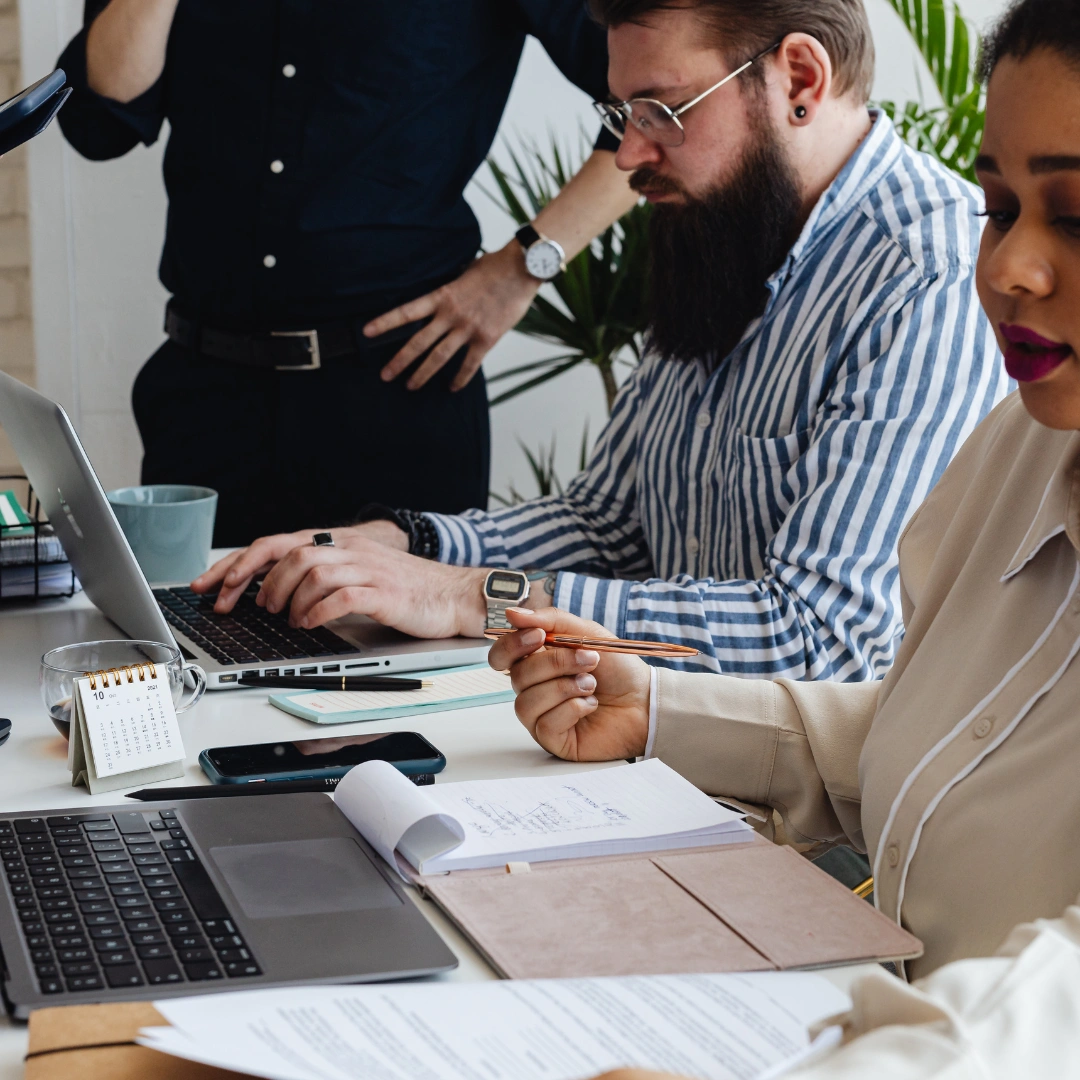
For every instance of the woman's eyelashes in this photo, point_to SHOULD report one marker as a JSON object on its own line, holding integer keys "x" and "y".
{"x": 999, "y": 217}
{"x": 1069, "y": 224}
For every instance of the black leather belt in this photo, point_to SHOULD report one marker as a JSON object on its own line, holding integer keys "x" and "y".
{"x": 279, "y": 350}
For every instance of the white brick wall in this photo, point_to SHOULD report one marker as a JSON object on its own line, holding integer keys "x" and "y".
{"x": 16, "y": 327}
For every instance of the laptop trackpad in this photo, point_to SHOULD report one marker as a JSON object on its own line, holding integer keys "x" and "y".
{"x": 303, "y": 877}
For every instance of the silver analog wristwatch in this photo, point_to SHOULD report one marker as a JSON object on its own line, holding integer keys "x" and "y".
{"x": 503, "y": 589}
{"x": 544, "y": 258}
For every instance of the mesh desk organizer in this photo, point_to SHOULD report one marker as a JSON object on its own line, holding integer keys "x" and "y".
{"x": 33, "y": 565}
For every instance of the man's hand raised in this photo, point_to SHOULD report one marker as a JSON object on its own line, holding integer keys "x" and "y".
{"x": 578, "y": 704}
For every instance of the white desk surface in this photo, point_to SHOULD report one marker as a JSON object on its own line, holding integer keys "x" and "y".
{"x": 478, "y": 743}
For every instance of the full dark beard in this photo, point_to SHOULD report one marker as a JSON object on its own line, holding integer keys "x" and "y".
{"x": 711, "y": 257}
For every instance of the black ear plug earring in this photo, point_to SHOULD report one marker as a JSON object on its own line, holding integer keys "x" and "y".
{"x": 800, "y": 112}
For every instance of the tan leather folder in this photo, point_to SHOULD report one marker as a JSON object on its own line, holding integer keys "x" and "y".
{"x": 97, "y": 1042}
{"x": 739, "y": 907}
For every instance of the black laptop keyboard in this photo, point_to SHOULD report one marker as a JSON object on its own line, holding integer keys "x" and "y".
{"x": 117, "y": 900}
{"x": 249, "y": 634}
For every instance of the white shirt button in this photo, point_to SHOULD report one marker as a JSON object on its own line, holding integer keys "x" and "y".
{"x": 269, "y": 261}
{"x": 892, "y": 853}
{"x": 703, "y": 420}
{"x": 693, "y": 545}
{"x": 288, "y": 71}
{"x": 277, "y": 166}
{"x": 983, "y": 726}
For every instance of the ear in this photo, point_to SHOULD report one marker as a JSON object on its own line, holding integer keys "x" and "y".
{"x": 805, "y": 75}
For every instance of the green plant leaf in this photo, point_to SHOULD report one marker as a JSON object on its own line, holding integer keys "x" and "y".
{"x": 554, "y": 373}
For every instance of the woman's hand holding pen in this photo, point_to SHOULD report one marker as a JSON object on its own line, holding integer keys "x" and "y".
{"x": 579, "y": 705}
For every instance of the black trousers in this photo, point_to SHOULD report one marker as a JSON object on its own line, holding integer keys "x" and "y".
{"x": 294, "y": 450}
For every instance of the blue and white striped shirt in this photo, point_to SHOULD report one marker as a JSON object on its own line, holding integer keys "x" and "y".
{"x": 752, "y": 510}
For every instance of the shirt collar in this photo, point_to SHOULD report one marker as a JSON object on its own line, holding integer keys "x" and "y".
{"x": 1058, "y": 512}
{"x": 864, "y": 170}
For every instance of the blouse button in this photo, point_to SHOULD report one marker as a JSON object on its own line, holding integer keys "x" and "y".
{"x": 983, "y": 727}
{"x": 703, "y": 420}
{"x": 893, "y": 855}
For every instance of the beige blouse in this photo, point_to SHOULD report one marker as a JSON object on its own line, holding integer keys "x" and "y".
{"x": 960, "y": 772}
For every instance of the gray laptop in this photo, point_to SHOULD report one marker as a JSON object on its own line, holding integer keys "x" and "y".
{"x": 115, "y": 903}
{"x": 249, "y": 641}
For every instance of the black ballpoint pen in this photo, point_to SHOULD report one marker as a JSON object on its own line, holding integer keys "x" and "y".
{"x": 214, "y": 791}
{"x": 332, "y": 682}
{"x": 252, "y": 787}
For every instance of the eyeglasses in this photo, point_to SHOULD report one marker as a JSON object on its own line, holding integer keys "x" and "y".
{"x": 654, "y": 119}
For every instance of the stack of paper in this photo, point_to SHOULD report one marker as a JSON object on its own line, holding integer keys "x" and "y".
{"x": 483, "y": 823}
{"x": 716, "y": 1027}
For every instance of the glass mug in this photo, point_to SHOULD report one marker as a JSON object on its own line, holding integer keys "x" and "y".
{"x": 61, "y": 667}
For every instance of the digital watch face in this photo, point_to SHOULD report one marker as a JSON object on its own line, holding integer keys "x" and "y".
{"x": 543, "y": 260}
{"x": 505, "y": 586}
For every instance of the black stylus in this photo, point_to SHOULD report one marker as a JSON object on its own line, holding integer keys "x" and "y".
{"x": 216, "y": 791}
{"x": 253, "y": 787}
{"x": 332, "y": 682}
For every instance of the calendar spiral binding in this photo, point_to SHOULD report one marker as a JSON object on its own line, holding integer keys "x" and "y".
{"x": 128, "y": 669}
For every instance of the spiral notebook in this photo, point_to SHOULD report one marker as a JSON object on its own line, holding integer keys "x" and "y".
{"x": 451, "y": 688}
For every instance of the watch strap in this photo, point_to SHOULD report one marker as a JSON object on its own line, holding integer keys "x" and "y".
{"x": 527, "y": 236}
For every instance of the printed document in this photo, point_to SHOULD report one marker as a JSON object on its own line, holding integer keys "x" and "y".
{"x": 712, "y": 1027}
{"x": 485, "y": 823}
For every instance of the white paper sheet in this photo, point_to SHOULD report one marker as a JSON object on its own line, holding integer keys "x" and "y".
{"x": 715, "y": 1027}
{"x": 482, "y": 823}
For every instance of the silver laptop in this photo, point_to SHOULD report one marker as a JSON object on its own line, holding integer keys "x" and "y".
{"x": 248, "y": 641}
{"x": 122, "y": 903}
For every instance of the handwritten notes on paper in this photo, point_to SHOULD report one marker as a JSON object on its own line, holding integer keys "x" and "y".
{"x": 482, "y": 823}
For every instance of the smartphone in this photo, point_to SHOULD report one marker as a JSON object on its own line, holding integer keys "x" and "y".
{"x": 322, "y": 759}
{"x": 32, "y": 98}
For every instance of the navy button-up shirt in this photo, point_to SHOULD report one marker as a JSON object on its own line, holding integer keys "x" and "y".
{"x": 319, "y": 149}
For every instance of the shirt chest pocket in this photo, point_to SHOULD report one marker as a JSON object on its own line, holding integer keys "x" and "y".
{"x": 762, "y": 480}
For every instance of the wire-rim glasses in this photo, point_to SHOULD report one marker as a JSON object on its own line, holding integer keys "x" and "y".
{"x": 654, "y": 119}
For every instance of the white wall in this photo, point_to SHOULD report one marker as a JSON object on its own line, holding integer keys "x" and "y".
{"x": 96, "y": 233}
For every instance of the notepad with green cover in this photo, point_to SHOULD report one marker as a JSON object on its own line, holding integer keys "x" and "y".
{"x": 451, "y": 688}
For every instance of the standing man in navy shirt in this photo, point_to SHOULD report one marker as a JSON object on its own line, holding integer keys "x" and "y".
{"x": 329, "y": 314}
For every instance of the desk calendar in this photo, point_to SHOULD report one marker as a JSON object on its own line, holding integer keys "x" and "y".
{"x": 123, "y": 730}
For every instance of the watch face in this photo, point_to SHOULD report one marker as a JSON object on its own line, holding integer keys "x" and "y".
{"x": 544, "y": 260}
{"x": 504, "y": 586}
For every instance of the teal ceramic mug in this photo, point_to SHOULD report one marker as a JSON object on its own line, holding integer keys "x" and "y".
{"x": 169, "y": 527}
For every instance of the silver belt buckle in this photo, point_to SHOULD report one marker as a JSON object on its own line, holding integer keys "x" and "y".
{"x": 313, "y": 350}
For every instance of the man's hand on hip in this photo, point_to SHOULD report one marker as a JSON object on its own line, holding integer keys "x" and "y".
{"x": 236, "y": 571}
{"x": 577, "y": 704}
{"x": 475, "y": 310}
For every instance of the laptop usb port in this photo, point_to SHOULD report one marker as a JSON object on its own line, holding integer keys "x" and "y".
{"x": 313, "y": 670}
{"x": 330, "y": 668}
{"x": 249, "y": 674}
{"x": 270, "y": 673}
{"x": 288, "y": 671}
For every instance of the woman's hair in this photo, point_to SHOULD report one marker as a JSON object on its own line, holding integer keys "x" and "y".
{"x": 1029, "y": 25}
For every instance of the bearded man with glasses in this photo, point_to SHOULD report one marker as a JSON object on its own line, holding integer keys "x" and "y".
{"x": 817, "y": 355}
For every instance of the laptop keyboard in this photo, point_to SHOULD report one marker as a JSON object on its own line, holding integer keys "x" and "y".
{"x": 249, "y": 634}
{"x": 117, "y": 900}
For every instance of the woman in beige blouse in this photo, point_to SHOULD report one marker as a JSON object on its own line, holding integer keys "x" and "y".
{"x": 959, "y": 774}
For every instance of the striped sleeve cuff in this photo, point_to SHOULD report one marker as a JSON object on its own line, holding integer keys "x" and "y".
{"x": 599, "y": 599}
{"x": 464, "y": 542}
